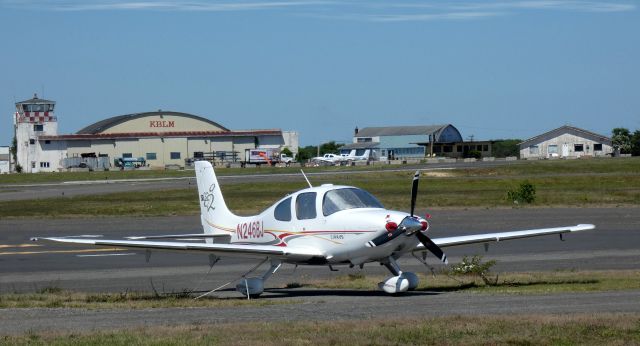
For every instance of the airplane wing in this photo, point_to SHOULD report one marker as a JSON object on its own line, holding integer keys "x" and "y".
{"x": 501, "y": 236}
{"x": 237, "y": 250}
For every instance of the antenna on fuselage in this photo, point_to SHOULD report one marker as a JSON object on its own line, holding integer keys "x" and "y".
{"x": 305, "y": 178}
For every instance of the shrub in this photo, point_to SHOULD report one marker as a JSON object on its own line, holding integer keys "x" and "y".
{"x": 474, "y": 266}
{"x": 526, "y": 193}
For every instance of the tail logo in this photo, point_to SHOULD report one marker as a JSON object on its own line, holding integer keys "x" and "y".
{"x": 207, "y": 198}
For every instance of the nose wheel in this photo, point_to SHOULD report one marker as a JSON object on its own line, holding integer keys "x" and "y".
{"x": 400, "y": 281}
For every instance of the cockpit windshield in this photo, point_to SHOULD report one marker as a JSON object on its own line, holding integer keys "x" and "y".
{"x": 347, "y": 198}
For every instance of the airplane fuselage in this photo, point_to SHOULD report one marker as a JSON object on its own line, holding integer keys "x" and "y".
{"x": 304, "y": 219}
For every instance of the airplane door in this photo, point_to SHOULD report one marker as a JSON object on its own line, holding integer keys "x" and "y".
{"x": 306, "y": 210}
{"x": 565, "y": 150}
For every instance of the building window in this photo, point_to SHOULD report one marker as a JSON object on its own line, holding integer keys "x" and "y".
{"x": 597, "y": 147}
{"x": 151, "y": 156}
{"x": 578, "y": 148}
{"x": 459, "y": 148}
{"x": 44, "y": 164}
{"x": 552, "y": 149}
{"x": 485, "y": 147}
{"x": 175, "y": 155}
{"x": 127, "y": 155}
{"x": 32, "y": 141}
{"x": 198, "y": 154}
{"x": 47, "y": 142}
{"x": 448, "y": 148}
{"x": 38, "y": 127}
{"x": 364, "y": 139}
{"x": 533, "y": 150}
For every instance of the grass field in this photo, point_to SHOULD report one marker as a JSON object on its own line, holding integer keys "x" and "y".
{"x": 508, "y": 283}
{"x": 610, "y": 329}
{"x": 17, "y": 179}
{"x": 595, "y": 182}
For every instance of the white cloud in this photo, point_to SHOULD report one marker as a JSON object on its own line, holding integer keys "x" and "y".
{"x": 378, "y": 11}
{"x": 210, "y": 6}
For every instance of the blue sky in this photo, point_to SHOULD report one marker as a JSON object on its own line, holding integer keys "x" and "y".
{"x": 494, "y": 69}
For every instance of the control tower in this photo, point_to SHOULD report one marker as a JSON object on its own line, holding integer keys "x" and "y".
{"x": 34, "y": 118}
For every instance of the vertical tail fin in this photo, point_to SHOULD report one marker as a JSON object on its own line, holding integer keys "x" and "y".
{"x": 213, "y": 209}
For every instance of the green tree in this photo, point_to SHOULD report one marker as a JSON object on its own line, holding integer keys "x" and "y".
{"x": 306, "y": 153}
{"x": 286, "y": 151}
{"x": 635, "y": 143}
{"x": 621, "y": 140}
{"x": 506, "y": 147}
{"x": 14, "y": 154}
{"x": 330, "y": 148}
{"x": 14, "y": 149}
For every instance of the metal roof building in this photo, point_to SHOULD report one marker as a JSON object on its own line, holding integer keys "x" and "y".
{"x": 401, "y": 142}
{"x": 566, "y": 141}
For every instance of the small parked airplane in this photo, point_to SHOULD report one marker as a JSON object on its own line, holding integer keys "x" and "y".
{"x": 330, "y": 159}
{"x": 322, "y": 225}
{"x": 351, "y": 156}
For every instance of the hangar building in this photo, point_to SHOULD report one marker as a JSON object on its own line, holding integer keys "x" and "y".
{"x": 161, "y": 138}
{"x": 566, "y": 141}
{"x": 5, "y": 160}
{"x": 413, "y": 142}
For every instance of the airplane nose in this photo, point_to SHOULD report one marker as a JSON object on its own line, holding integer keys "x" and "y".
{"x": 411, "y": 225}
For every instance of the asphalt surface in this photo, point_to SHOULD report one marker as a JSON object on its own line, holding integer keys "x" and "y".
{"x": 321, "y": 305}
{"x": 17, "y": 192}
{"x": 26, "y": 267}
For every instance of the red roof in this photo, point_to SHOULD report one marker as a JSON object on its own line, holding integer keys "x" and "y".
{"x": 162, "y": 134}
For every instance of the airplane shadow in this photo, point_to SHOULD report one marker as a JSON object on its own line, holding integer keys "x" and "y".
{"x": 301, "y": 292}
{"x": 305, "y": 292}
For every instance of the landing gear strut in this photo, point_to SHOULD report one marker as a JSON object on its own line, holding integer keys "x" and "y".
{"x": 254, "y": 286}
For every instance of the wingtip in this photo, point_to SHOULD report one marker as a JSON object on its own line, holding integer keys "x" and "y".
{"x": 585, "y": 226}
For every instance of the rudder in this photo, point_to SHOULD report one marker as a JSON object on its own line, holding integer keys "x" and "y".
{"x": 213, "y": 209}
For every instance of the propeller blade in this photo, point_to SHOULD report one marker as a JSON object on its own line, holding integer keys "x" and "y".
{"x": 432, "y": 247}
{"x": 414, "y": 191}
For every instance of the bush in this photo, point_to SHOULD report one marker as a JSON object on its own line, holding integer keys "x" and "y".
{"x": 474, "y": 154}
{"x": 526, "y": 193}
{"x": 476, "y": 267}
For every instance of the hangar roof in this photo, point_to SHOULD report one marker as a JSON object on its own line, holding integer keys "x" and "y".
{"x": 105, "y": 124}
{"x": 441, "y": 133}
{"x": 566, "y": 129}
{"x": 399, "y": 130}
{"x": 365, "y": 145}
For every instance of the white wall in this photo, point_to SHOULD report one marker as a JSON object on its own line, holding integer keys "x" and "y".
{"x": 570, "y": 141}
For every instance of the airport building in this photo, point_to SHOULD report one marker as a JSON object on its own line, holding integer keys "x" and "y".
{"x": 5, "y": 160}
{"x": 158, "y": 139}
{"x": 414, "y": 142}
{"x": 566, "y": 142}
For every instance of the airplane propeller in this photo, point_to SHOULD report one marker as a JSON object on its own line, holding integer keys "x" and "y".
{"x": 426, "y": 241}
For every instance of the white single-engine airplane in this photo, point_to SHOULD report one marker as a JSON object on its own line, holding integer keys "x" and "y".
{"x": 322, "y": 225}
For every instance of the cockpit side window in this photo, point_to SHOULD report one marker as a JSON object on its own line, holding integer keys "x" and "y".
{"x": 306, "y": 206}
{"x": 348, "y": 198}
{"x": 283, "y": 210}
